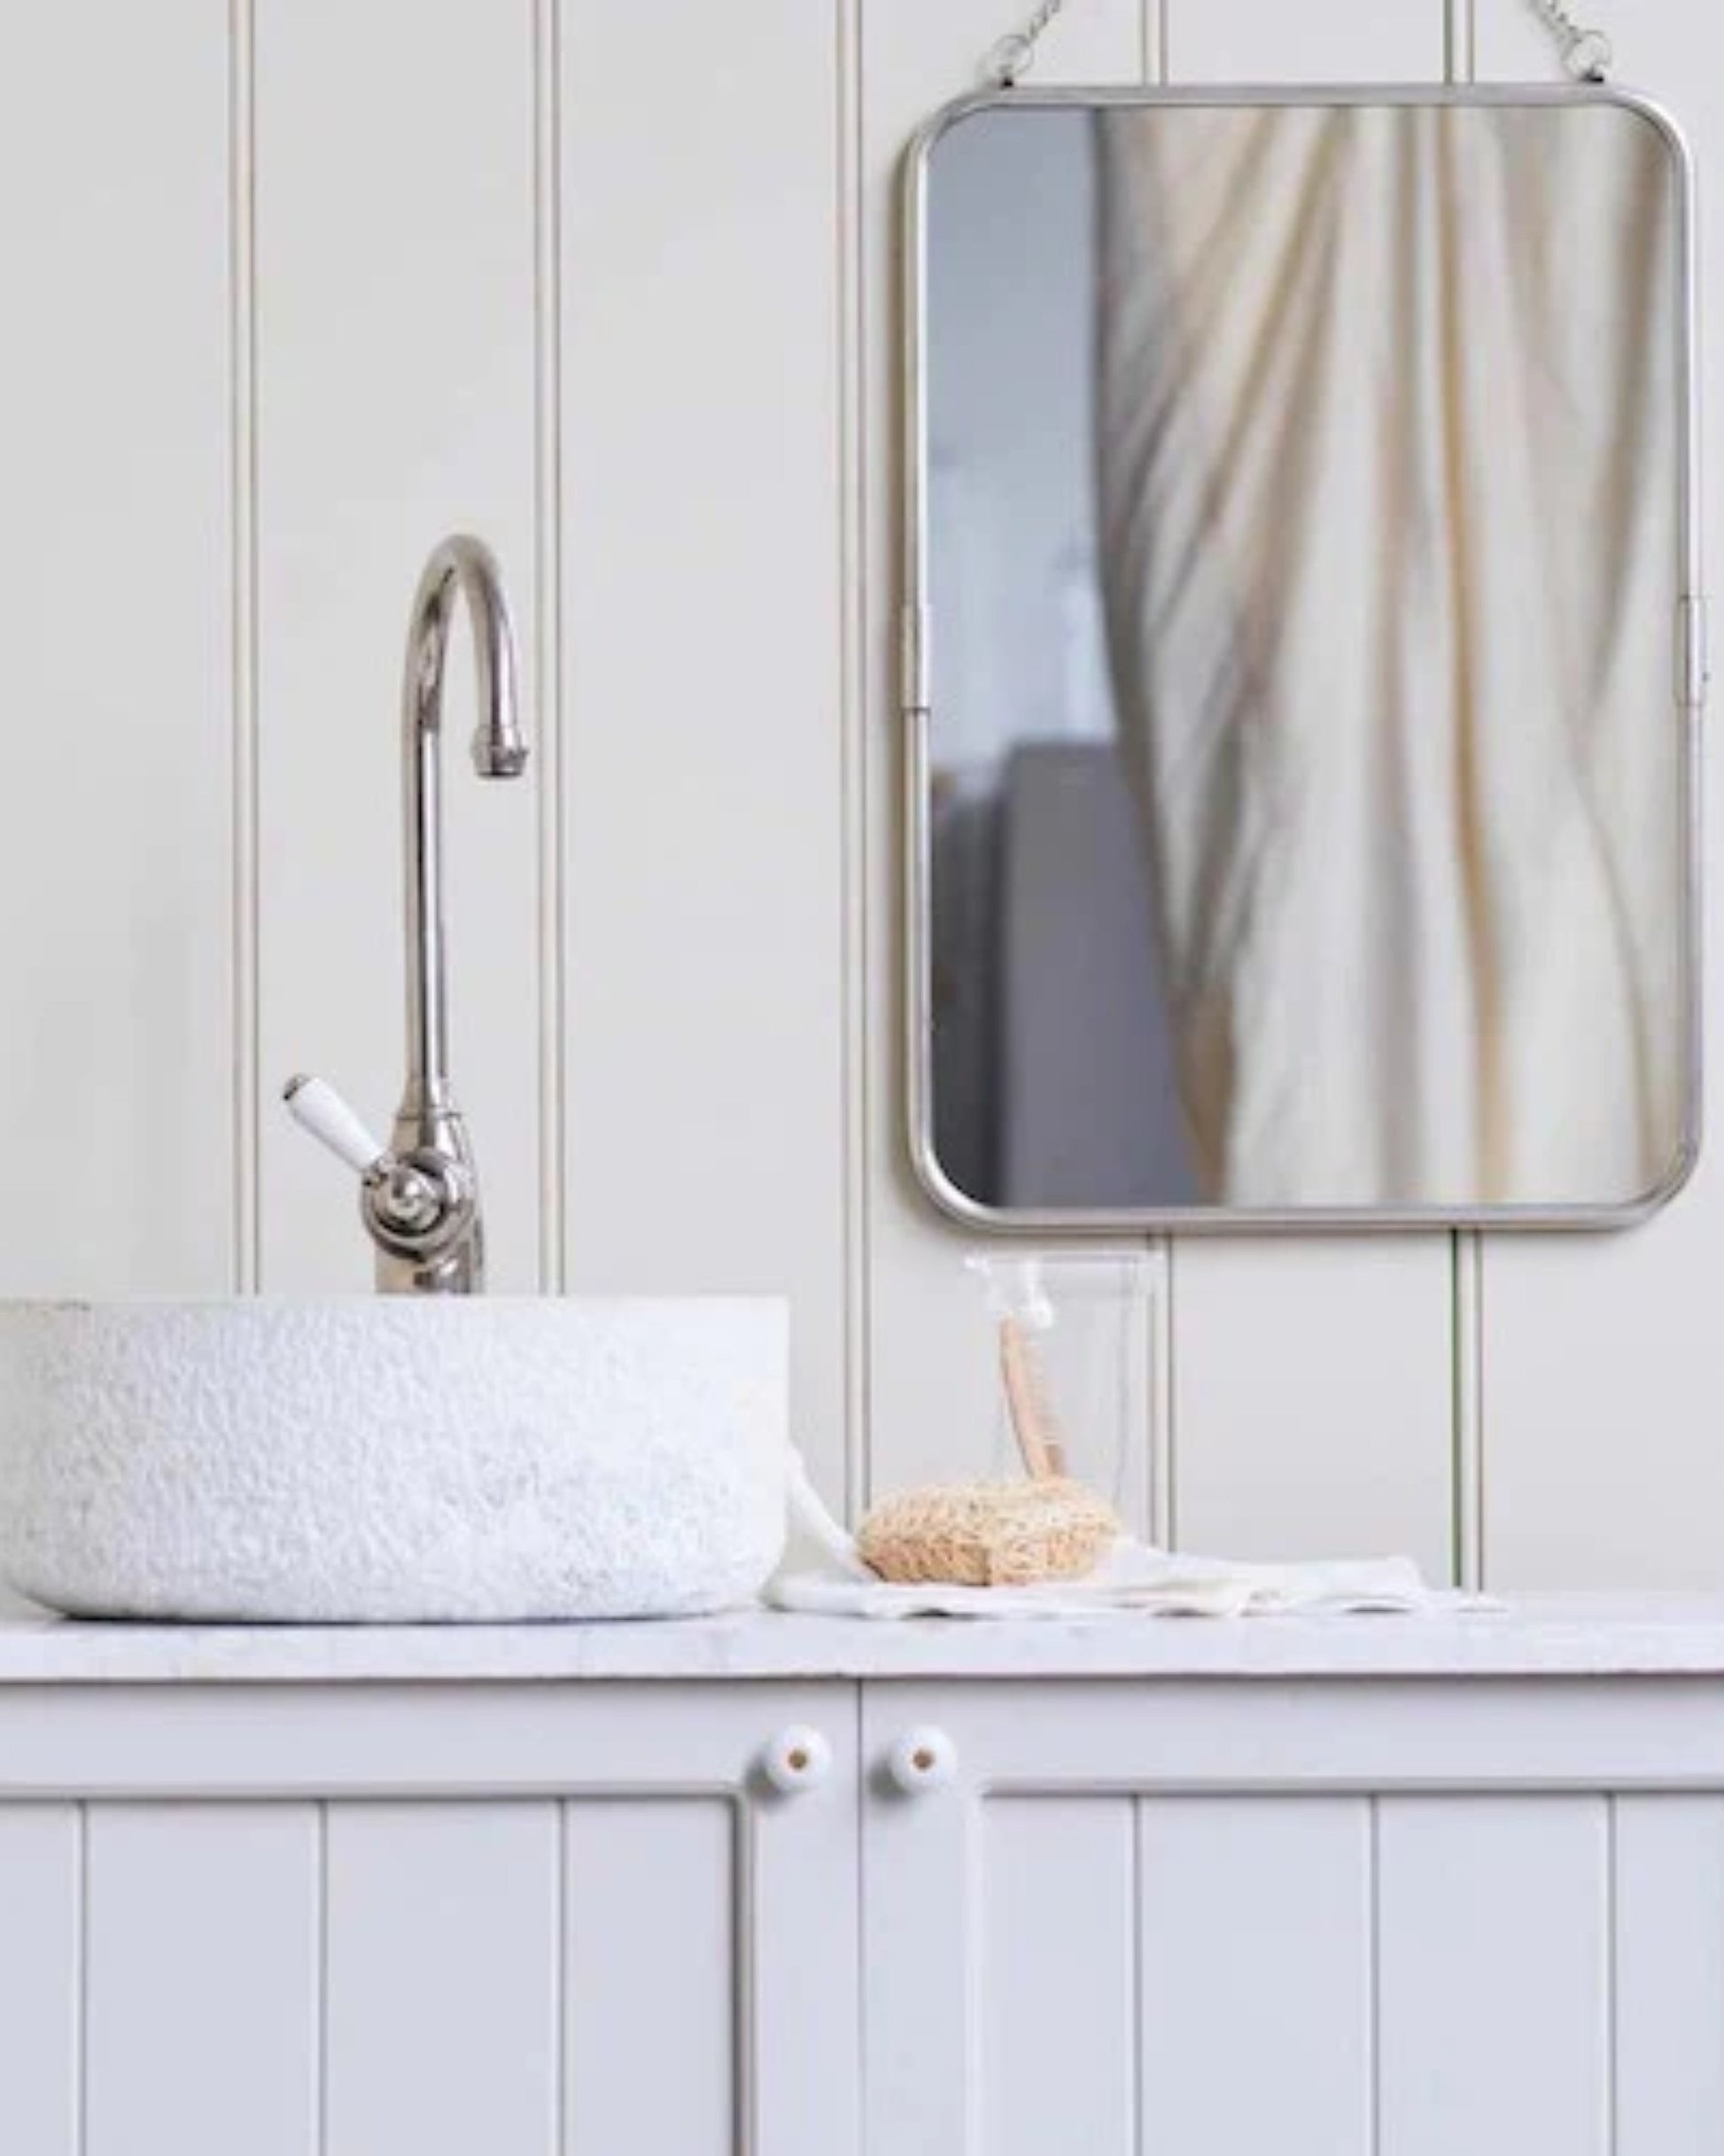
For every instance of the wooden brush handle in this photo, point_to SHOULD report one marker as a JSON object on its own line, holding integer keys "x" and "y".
{"x": 1026, "y": 1399}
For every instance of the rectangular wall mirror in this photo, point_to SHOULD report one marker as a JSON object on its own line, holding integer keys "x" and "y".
{"x": 1304, "y": 654}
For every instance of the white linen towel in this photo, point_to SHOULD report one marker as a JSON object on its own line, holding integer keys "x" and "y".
{"x": 1136, "y": 1580}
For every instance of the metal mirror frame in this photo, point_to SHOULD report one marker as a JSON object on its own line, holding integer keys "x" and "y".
{"x": 916, "y": 687}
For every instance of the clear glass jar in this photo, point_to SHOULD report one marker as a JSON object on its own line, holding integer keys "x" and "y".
{"x": 1072, "y": 1341}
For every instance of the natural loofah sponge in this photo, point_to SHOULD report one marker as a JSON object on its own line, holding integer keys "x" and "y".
{"x": 989, "y": 1534}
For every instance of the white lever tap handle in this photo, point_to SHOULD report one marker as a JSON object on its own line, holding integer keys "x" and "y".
{"x": 318, "y": 1107}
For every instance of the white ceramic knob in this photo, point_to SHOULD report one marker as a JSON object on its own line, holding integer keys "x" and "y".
{"x": 799, "y": 1759}
{"x": 923, "y": 1759}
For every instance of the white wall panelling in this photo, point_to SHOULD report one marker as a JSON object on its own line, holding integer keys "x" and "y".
{"x": 118, "y": 944}
{"x": 295, "y": 289}
{"x": 1335, "y": 40}
{"x": 702, "y": 537}
{"x": 1601, "y": 1363}
{"x": 395, "y": 353}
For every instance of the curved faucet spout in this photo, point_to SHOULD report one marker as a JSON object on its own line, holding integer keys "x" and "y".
{"x": 466, "y": 568}
{"x": 430, "y": 1133}
{"x": 419, "y": 1195}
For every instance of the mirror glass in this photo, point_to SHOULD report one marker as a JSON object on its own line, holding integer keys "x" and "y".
{"x": 1301, "y": 508}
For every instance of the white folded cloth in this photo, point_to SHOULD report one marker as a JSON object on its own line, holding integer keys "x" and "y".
{"x": 1135, "y": 1580}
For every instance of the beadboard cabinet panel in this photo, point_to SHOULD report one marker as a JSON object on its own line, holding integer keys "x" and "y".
{"x": 1130, "y": 1954}
{"x": 1255, "y": 1922}
{"x": 1494, "y": 1974}
{"x": 1334, "y": 1915}
{"x": 701, "y": 539}
{"x": 651, "y": 1943}
{"x": 429, "y": 1920}
{"x": 1407, "y": 1919}
{"x": 117, "y": 915}
{"x": 1057, "y": 2059}
{"x": 395, "y": 287}
{"x": 1193, "y": 1973}
{"x": 1667, "y": 1976}
{"x": 41, "y": 1854}
{"x": 441, "y": 2001}
{"x": 202, "y": 1929}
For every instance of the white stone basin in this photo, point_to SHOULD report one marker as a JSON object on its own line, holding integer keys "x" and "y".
{"x": 392, "y": 1461}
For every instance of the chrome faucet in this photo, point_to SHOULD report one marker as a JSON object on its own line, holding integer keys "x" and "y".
{"x": 419, "y": 1196}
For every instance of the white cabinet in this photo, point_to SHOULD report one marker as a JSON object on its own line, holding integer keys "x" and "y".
{"x": 1450, "y": 1918}
{"x": 779, "y": 1889}
{"x": 501, "y": 1920}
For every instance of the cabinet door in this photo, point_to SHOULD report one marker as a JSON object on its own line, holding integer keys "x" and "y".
{"x": 1332, "y": 1919}
{"x": 527, "y": 1920}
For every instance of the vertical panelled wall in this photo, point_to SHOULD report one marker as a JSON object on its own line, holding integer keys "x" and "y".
{"x": 295, "y": 289}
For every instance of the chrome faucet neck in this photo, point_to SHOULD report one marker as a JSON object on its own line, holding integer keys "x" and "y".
{"x": 460, "y": 568}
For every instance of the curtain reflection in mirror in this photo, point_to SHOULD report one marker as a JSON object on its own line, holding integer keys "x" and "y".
{"x": 1343, "y": 866}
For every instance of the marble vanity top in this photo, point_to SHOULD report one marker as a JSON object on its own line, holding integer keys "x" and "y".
{"x": 1540, "y": 1636}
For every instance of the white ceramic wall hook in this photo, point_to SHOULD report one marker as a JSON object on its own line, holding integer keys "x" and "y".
{"x": 799, "y": 1759}
{"x": 922, "y": 1760}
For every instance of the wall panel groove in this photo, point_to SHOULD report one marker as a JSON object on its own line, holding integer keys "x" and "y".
{"x": 1160, "y": 1522}
{"x": 1468, "y": 1502}
{"x": 247, "y": 1163}
{"x": 547, "y": 610}
{"x": 856, "y": 955}
{"x": 1466, "y": 1256}
{"x": 1457, "y": 40}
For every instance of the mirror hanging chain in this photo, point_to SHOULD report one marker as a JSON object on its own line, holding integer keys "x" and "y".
{"x": 1586, "y": 53}
{"x": 1016, "y": 55}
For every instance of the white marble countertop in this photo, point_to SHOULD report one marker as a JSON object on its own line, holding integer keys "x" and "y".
{"x": 1540, "y": 1636}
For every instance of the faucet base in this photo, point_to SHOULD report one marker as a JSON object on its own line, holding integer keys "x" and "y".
{"x": 445, "y": 1253}
{"x": 461, "y": 1273}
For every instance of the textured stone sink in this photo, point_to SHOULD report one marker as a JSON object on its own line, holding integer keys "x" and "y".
{"x": 392, "y": 1461}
